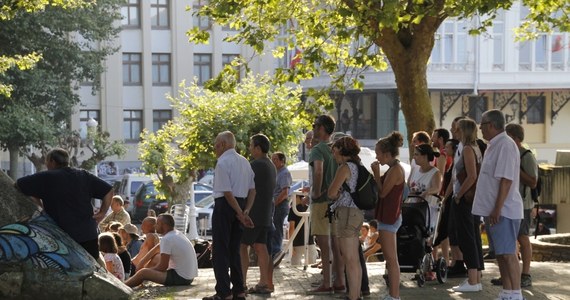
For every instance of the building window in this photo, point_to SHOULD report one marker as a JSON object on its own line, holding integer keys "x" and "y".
{"x": 160, "y": 69}
{"x": 84, "y": 116}
{"x": 202, "y": 67}
{"x": 365, "y": 115}
{"x": 132, "y": 125}
{"x": 132, "y": 69}
{"x": 546, "y": 52}
{"x": 499, "y": 41}
{"x": 535, "y": 109}
{"x": 201, "y": 22}
{"x": 477, "y": 106}
{"x": 159, "y": 118}
{"x": 159, "y": 18}
{"x": 227, "y": 60}
{"x": 450, "y": 49}
{"x": 131, "y": 14}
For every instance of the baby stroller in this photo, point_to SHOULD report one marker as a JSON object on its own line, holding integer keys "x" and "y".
{"x": 414, "y": 249}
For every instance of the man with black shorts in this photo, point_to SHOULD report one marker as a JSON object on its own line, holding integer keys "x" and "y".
{"x": 177, "y": 265}
{"x": 65, "y": 194}
{"x": 261, "y": 214}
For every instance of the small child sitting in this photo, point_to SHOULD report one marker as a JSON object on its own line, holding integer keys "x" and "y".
{"x": 108, "y": 247}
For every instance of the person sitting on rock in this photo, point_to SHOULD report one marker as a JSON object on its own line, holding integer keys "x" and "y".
{"x": 177, "y": 263}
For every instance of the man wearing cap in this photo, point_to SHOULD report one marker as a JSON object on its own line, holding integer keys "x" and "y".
{"x": 118, "y": 214}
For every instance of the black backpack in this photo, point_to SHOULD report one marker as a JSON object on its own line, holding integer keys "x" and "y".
{"x": 366, "y": 192}
{"x": 534, "y": 192}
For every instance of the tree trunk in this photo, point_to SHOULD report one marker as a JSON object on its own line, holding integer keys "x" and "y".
{"x": 408, "y": 52}
{"x": 14, "y": 170}
{"x": 38, "y": 161}
{"x": 411, "y": 80}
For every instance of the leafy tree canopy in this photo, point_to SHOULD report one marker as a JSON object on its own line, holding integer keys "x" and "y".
{"x": 343, "y": 38}
{"x": 72, "y": 43}
{"x": 8, "y": 10}
{"x": 185, "y": 145}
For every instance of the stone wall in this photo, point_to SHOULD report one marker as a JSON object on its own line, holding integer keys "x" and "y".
{"x": 555, "y": 247}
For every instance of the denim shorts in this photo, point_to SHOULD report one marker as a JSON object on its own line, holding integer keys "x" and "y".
{"x": 504, "y": 235}
{"x": 391, "y": 227}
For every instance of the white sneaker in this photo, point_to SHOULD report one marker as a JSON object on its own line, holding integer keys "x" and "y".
{"x": 480, "y": 286}
{"x": 503, "y": 296}
{"x": 466, "y": 287}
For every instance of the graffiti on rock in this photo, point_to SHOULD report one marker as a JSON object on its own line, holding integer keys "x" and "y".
{"x": 39, "y": 243}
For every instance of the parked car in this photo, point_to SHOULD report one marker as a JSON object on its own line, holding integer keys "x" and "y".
{"x": 204, "y": 210}
{"x": 129, "y": 185}
{"x": 145, "y": 199}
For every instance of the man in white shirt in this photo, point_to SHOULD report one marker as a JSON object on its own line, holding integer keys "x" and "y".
{"x": 499, "y": 201}
{"x": 177, "y": 265}
{"x": 233, "y": 182}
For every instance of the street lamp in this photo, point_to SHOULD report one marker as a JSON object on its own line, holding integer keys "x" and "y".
{"x": 89, "y": 142}
{"x": 91, "y": 129}
{"x": 514, "y": 107}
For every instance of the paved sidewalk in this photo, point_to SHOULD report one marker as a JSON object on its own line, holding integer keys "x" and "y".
{"x": 550, "y": 281}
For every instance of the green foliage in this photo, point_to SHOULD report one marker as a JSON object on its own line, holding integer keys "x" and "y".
{"x": 342, "y": 39}
{"x": 255, "y": 105}
{"x": 101, "y": 147}
{"x": 8, "y": 10}
{"x": 67, "y": 42}
{"x": 24, "y": 62}
{"x": 544, "y": 16}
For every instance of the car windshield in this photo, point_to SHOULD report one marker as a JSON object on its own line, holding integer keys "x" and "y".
{"x": 202, "y": 187}
{"x": 205, "y": 202}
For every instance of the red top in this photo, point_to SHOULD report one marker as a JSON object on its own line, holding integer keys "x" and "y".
{"x": 389, "y": 208}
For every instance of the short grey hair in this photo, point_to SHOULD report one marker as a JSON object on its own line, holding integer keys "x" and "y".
{"x": 495, "y": 117}
{"x": 228, "y": 137}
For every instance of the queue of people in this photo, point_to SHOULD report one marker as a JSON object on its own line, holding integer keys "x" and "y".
{"x": 251, "y": 205}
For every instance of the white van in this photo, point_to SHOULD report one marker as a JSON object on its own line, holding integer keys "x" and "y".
{"x": 128, "y": 187}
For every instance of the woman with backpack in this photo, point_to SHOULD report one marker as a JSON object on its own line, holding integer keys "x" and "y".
{"x": 388, "y": 209}
{"x": 348, "y": 217}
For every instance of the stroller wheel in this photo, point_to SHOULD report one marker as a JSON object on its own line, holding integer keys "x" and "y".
{"x": 420, "y": 278}
{"x": 441, "y": 270}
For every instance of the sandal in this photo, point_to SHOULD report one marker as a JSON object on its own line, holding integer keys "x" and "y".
{"x": 259, "y": 289}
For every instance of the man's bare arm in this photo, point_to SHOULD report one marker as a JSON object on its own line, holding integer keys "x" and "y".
{"x": 105, "y": 203}
{"x": 318, "y": 174}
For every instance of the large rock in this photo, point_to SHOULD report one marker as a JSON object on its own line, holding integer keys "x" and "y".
{"x": 40, "y": 261}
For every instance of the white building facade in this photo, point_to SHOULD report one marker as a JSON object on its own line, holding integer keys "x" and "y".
{"x": 529, "y": 81}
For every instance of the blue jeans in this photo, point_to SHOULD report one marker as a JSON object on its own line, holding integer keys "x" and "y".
{"x": 281, "y": 212}
{"x": 226, "y": 237}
